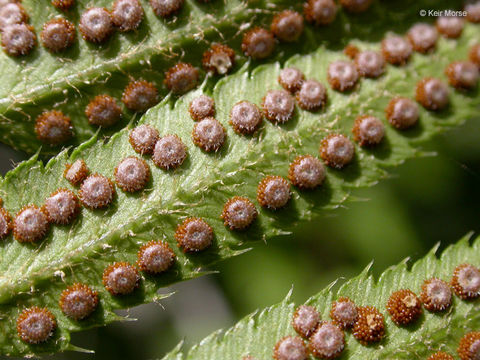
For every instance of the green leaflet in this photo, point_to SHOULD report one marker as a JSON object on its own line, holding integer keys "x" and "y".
{"x": 36, "y": 274}
{"x": 258, "y": 333}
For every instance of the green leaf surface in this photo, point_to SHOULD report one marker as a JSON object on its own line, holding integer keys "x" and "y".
{"x": 36, "y": 274}
{"x": 257, "y": 334}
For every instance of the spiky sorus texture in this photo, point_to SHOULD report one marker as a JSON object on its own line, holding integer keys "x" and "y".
{"x": 76, "y": 172}
{"x": 239, "y": 213}
{"x": 404, "y": 307}
{"x": 209, "y": 134}
{"x": 312, "y": 95}
{"x": 368, "y": 130}
{"x": 245, "y": 117}
{"x": 402, "y": 113}
{"x": 369, "y": 326}
{"x": 291, "y": 79}
{"x": 78, "y": 301}
{"x": 62, "y": 207}
{"x": 132, "y": 174}
{"x": 219, "y": 59}
{"x": 469, "y": 347}
{"x": 440, "y": 355}
{"x": 258, "y": 43}
{"x": 12, "y": 13}
{"x": 140, "y": 95}
{"x": 121, "y": 278}
{"x": 103, "y": 111}
{"x": 278, "y": 106}
{"x": 155, "y": 257}
{"x": 96, "y": 191}
{"x": 143, "y": 139}
{"x": 287, "y": 25}
{"x": 63, "y": 4}
{"x": 344, "y": 312}
{"x": 370, "y": 64}
{"x": 58, "y": 34}
{"x": 169, "y": 152}
{"x": 305, "y": 320}
{"x": 290, "y": 348}
{"x": 273, "y": 192}
{"x": 127, "y": 14}
{"x": 342, "y": 75}
{"x": 327, "y": 342}
{"x": 96, "y": 25}
{"x": 194, "y": 235}
{"x": 466, "y": 281}
{"x": 337, "y": 151}
{"x": 5, "y": 223}
{"x": 30, "y": 224}
{"x": 306, "y": 172}
{"x": 181, "y": 78}
{"x": 18, "y": 39}
{"x": 53, "y": 127}
{"x": 166, "y": 8}
{"x": 320, "y": 12}
{"x": 201, "y": 107}
{"x": 436, "y": 295}
{"x": 35, "y": 325}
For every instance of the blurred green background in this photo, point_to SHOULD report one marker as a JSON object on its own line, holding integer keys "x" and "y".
{"x": 425, "y": 201}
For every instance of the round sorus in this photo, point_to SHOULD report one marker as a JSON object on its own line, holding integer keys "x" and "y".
{"x": 132, "y": 174}
{"x": 312, "y": 95}
{"x": 273, "y": 192}
{"x": 201, "y": 107}
{"x": 78, "y": 301}
{"x": 140, "y": 95}
{"x": 337, "y": 151}
{"x": 194, "y": 235}
{"x": 103, "y": 111}
{"x": 36, "y": 325}
{"x": 63, "y": 4}
{"x": 53, "y": 127}
{"x": 402, "y": 113}
{"x": 62, "y": 207}
{"x": 96, "y": 191}
{"x": 245, "y": 117}
{"x": 370, "y": 64}
{"x": 423, "y": 37}
{"x": 436, "y": 295}
{"x": 96, "y": 25}
{"x": 305, "y": 320}
{"x": 127, "y": 14}
{"x": 450, "y": 26}
{"x": 396, "y": 50}
{"x": 18, "y": 39}
{"x": 432, "y": 94}
{"x": 306, "y": 172}
{"x": 370, "y": 325}
{"x": 473, "y": 12}
{"x": 30, "y": 224}
{"x": 342, "y": 75}
{"x": 356, "y": 6}
{"x": 12, "y": 13}
{"x": 327, "y": 342}
{"x": 469, "y": 347}
{"x": 209, "y": 134}
{"x": 287, "y": 25}
{"x": 121, "y": 278}
{"x": 218, "y": 59}
{"x": 466, "y": 281}
{"x": 368, "y": 130}
{"x": 143, "y": 139}
{"x": 440, "y": 356}
{"x": 75, "y": 173}
{"x": 58, "y": 34}
{"x": 320, "y": 12}
{"x": 290, "y": 348}
{"x": 258, "y": 43}
{"x": 166, "y": 8}
{"x": 169, "y": 152}
{"x": 344, "y": 313}
{"x": 291, "y": 79}
{"x": 278, "y": 106}
{"x": 462, "y": 74}
{"x": 351, "y": 51}
{"x": 155, "y": 257}
{"x": 404, "y": 307}
{"x": 239, "y": 213}
{"x": 5, "y": 223}
{"x": 181, "y": 78}
{"x": 474, "y": 55}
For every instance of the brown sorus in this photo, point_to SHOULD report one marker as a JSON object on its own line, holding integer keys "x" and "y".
{"x": 78, "y": 301}
{"x": 36, "y": 325}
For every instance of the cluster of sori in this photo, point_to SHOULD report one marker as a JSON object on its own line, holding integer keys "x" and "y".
{"x": 326, "y": 339}
{"x": 168, "y": 152}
